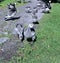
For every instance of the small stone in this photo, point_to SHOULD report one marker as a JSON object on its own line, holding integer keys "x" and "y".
{"x": 4, "y": 39}
{"x": 5, "y": 33}
{"x": 2, "y": 50}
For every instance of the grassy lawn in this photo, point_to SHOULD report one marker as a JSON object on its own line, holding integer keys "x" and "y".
{"x": 5, "y": 2}
{"x": 47, "y": 47}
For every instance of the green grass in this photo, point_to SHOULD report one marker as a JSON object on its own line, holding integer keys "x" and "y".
{"x": 47, "y": 47}
{"x": 5, "y": 2}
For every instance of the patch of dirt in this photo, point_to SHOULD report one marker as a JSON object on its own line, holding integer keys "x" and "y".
{"x": 9, "y": 48}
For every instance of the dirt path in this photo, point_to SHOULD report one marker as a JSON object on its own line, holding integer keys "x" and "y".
{"x": 9, "y": 48}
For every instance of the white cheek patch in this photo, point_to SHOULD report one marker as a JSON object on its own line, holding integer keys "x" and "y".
{"x": 17, "y": 31}
{"x": 11, "y": 6}
{"x": 47, "y": 9}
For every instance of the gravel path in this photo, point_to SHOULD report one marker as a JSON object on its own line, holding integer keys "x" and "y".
{"x": 9, "y": 48}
